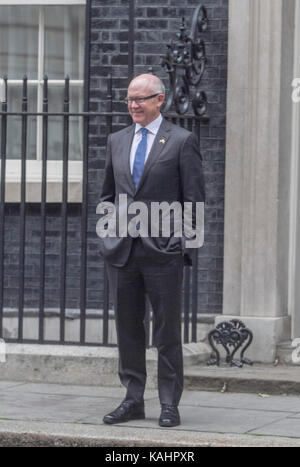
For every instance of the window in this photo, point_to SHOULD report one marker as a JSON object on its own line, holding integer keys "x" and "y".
{"x": 40, "y": 38}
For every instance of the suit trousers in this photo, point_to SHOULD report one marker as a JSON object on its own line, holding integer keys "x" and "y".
{"x": 162, "y": 281}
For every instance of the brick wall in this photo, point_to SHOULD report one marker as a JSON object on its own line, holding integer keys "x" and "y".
{"x": 32, "y": 256}
{"x": 157, "y": 23}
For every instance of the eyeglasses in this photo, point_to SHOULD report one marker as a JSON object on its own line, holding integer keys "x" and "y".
{"x": 138, "y": 100}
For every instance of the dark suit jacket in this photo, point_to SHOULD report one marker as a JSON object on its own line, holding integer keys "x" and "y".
{"x": 172, "y": 172}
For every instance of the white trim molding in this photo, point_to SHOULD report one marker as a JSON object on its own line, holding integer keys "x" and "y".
{"x": 34, "y": 184}
{"x": 42, "y": 2}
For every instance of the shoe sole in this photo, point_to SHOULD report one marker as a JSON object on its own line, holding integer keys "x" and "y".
{"x": 169, "y": 425}
{"x": 115, "y": 422}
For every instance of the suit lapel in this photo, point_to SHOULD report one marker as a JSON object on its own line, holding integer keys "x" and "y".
{"x": 158, "y": 145}
{"x": 126, "y": 158}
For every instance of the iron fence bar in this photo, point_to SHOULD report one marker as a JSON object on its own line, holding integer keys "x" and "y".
{"x": 105, "y": 275}
{"x": 105, "y": 306}
{"x": 195, "y": 266}
{"x": 83, "y": 256}
{"x": 186, "y": 304}
{"x": 147, "y": 321}
{"x": 168, "y": 116}
{"x": 84, "y": 222}
{"x": 64, "y": 214}
{"x": 184, "y": 122}
{"x": 2, "y": 200}
{"x": 22, "y": 209}
{"x": 194, "y": 296}
{"x": 62, "y": 114}
{"x": 43, "y": 210}
{"x": 55, "y": 82}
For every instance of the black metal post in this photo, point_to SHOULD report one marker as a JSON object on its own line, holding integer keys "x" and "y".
{"x": 84, "y": 209}
{"x": 195, "y": 265}
{"x": 43, "y": 210}
{"x": 2, "y": 201}
{"x": 22, "y": 209}
{"x": 64, "y": 214}
{"x": 194, "y": 296}
{"x": 147, "y": 321}
{"x": 186, "y": 304}
{"x": 105, "y": 323}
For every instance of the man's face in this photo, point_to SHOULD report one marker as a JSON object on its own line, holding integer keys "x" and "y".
{"x": 147, "y": 111}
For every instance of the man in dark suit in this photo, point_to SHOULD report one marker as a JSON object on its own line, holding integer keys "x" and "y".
{"x": 152, "y": 161}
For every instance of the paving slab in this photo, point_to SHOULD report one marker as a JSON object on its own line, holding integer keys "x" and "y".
{"x": 212, "y": 420}
{"x": 259, "y": 401}
{"x": 287, "y": 427}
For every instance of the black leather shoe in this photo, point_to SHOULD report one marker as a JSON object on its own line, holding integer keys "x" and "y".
{"x": 125, "y": 412}
{"x": 169, "y": 416}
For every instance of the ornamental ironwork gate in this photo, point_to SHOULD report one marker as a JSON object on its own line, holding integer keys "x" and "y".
{"x": 32, "y": 317}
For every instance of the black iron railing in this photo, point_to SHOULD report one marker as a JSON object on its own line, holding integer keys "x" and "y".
{"x": 190, "y": 291}
{"x": 185, "y": 63}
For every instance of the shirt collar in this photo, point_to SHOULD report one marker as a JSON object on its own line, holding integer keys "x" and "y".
{"x": 152, "y": 126}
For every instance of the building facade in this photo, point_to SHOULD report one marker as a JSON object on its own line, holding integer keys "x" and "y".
{"x": 249, "y": 265}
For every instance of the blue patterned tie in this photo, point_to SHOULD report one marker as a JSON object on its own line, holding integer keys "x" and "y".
{"x": 139, "y": 159}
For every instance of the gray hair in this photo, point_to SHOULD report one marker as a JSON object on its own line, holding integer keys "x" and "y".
{"x": 153, "y": 81}
{"x": 159, "y": 87}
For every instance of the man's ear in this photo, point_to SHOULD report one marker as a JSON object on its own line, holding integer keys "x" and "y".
{"x": 161, "y": 99}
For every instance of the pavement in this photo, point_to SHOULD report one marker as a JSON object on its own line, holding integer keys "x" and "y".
{"x": 47, "y": 414}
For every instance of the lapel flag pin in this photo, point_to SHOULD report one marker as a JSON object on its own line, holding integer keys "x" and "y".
{"x": 162, "y": 141}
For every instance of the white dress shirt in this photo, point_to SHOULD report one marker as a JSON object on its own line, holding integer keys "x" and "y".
{"x": 152, "y": 128}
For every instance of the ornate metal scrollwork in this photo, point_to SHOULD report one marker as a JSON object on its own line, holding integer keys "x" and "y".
{"x": 233, "y": 334}
{"x": 185, "y": 62}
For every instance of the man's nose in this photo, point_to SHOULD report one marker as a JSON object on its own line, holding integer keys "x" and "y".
{"x": 134, "y": 105}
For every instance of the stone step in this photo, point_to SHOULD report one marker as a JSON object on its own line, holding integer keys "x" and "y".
{"x": 264, "y": 379}
{"x": 80, "y": 365}
{"x": 99, "y": 366}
